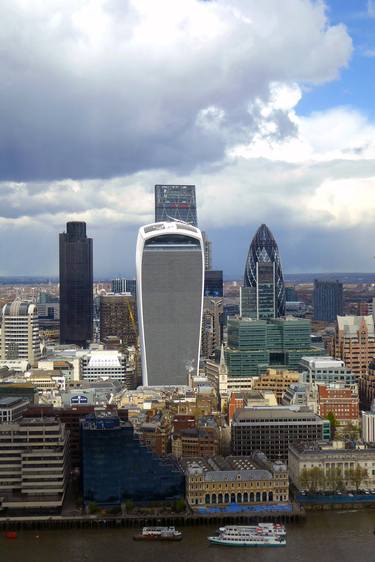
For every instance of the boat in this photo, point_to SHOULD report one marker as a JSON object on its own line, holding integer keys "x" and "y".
{"x": 248, "y": 536}
{"x": 265, "y": 528}
{"x": 10, "y": 534}
{"x": 158, "y": 534}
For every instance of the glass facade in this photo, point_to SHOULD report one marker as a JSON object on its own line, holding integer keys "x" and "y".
{"x": 263, "y": 296}
{"x": 76, "y": 285}
{"x": 117, "y": 467}
{"x": 122, "y": 285}
{"x": 213, "y": 283}
{"x": 176, "y": 202}
{"x": 256, "y": 345}
{"x": 328, "y": 300}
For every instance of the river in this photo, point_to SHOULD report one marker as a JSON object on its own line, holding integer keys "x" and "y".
{"x": 324, "y": 537}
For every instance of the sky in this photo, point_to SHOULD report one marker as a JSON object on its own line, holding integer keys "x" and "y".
{"x": 267, "y": 107}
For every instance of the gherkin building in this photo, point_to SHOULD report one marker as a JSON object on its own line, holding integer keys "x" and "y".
{"x": 263, "y": 294}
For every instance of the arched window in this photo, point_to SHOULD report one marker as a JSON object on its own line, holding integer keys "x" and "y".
{"x": 233, "y": 497}
{"x": 207, "y": 498}
{"x": 257, "y": 497}
{"x": 264, "y": 497}
{"x": 245, "y": 497}
{"x": 213, "y": 498}
{"x": 239, "y": 498}
{"x": 226, "y": 498}
{"x": 220, "y": 498}
{"x": 251, "y": 496}
{"x": 270, "y": 497}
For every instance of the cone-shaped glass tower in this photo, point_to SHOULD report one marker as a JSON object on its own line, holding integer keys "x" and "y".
{"x": 263, "y": 295}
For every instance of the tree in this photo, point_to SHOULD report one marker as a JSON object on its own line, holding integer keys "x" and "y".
{"x": 334, "y": 423}
{"x": 358, "y": 475}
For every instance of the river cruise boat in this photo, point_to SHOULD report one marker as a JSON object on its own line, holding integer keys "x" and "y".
{"x": 158, "y": 534}
{"x": 250, "y": 536}
{"x": 266, "y": 528}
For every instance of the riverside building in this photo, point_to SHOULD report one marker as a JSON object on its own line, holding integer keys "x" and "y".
{"x": 220, "y": 482}
{"x": 272, "y": 429}
{"x": 20, "y": 332}
{"x": 170, "y": 277}
{"x": 34, "y": 458}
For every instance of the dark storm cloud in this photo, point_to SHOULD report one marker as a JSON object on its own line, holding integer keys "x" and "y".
{"x": 107, "y": 88}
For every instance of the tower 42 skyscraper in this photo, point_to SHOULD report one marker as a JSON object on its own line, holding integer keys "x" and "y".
{"x": 76, "y": 284}
{"x": 170, "y": 276}
{"x": 263, "y": 295}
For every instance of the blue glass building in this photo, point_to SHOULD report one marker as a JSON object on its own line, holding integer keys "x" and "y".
{"x": 116, "y": 466}
{"x": 328, "y": 300}
{"x": 213, "y": 283}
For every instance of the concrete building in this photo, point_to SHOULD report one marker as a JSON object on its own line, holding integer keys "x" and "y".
{"x": 271, "y": 430}
{"x": 34, "y": 458}
{"x": 211, "y": 326}
{"x": 118, "y": 318}
{"x": 170, "y": 277}
{"x": 345, "y": 469}
{"x": 249, "y": 399}
{"x": 366, "y": 385}
{"x": 354, "y": 342}
{"x": 20, "y": 332}
{"x": 276, "y": 381}
{"x": 195, "y": 442}
{"x": 368, "y": 425}
{"x": 123, "y": 285}
{"x": 207, "y": 252}
{"x": 228, "y": 481}
{"x": 12, "y": 409}
{"x": 326, "y": 370}
{"x": 111, "y": 365}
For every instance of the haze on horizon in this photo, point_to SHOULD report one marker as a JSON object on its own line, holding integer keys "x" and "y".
{"x": 266, "y": 107}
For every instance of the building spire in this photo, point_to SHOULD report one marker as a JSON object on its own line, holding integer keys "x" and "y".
{"x": 223, "y": 369}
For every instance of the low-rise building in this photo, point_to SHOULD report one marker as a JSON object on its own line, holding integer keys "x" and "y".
{"x": 222, "y": 481}
{"x": 12, "y": 408}
{"x": 340, "y": 401}
{"x": 276, "y": 381}
{"x": 321, "y": 468}
{"x": 368, "y": 425}
{"x": 326, "y": 370}
{"x": 34, "y": 459}
{"x": 195, "y": 442}
{"x": 271, "y": 430}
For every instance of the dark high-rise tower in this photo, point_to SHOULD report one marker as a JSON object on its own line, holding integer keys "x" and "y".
{"x": 176, "y": 202}
{"x": 328, "y": 300}
{"x": 76, "y": 284}
{"x": 263, "y": 295}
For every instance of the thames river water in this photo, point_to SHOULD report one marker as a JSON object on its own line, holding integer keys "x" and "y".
{"x": 329, "y": 537}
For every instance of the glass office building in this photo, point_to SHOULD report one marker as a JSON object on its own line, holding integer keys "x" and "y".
{"x": 176, "y": 202}
{"x": 170, "y": 279}
{"x": 117, "y": 467}
{"x": 213, "y": 283}
{"x": 76, "y": 285}
{"x": 328, "y": 300}
{"x": 263, "y": 294}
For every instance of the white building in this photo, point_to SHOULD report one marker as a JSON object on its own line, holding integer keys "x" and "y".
{"x": 11, "y": 409}
{"x": 170, "y": 283}
{"x": 105, "y": 365}
{"x": 368, "y": 425}
{"x": 326, "y": 370}
{"x": 20, "y": 332}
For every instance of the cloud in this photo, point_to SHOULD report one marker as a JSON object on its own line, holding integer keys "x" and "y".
{"x": 104, "y": 88}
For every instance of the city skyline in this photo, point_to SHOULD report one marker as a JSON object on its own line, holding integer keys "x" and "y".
{"x": 279, "y": 131}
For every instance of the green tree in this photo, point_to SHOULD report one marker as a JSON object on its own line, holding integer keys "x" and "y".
{"x": 334, "y": 423}
{"x": 358, "y": 475}
{"x": 179, "y": 505}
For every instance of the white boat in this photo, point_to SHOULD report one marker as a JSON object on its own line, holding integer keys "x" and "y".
{"x": 158, "y": 534}
{"x": 247, "y": 536}
{"x": 266, "y": 528}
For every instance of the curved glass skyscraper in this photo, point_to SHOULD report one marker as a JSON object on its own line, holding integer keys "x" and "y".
{"x": 170, "y": 276}
{"x": 263, "y": 294}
